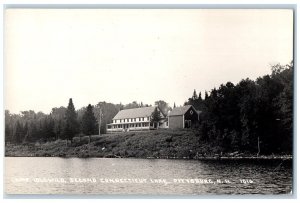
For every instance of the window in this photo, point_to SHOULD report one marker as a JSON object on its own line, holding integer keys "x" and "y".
{"x": 148, "y": 118}
{"x": 143, "y": 119}
{"x": 134, "y": 120}
{"x": 187, "y": 124}
{"x": 191, "y": 112}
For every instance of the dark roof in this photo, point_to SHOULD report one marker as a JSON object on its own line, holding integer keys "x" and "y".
{"x": 179, "y": 111}
{"x": 135, "y": 113}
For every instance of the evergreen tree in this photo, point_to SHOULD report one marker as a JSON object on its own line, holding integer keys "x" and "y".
{"x": 200, "y": 96}
{"x": 48, "y": 128}
{"x": 155, "y": 117}
{"x": 71, "y": 125}
{"x": 206, "y": 95}
{"x": 89, "y": 122}
{"x": 194, "y": 97}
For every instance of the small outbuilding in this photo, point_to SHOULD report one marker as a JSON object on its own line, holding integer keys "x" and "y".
{"x": 183, "y": 117}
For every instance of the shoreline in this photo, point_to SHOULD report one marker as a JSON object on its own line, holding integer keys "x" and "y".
{"x": 180, "y": 144}
{"x": 209, "y": 158}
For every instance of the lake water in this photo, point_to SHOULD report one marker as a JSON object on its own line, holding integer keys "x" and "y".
{"x": 53, "y": 175}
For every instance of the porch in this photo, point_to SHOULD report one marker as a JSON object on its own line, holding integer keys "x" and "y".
{"x": 126, "y": 127}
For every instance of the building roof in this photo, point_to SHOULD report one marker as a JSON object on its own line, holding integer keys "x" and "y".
{"x": 135, "y": 113}
{"x": 179, "y": 111}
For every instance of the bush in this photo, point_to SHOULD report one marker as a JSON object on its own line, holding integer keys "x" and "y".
{"x": 169, "y": 139}
{"x": 95, "y": 137}
{"x": 77, "y": 141}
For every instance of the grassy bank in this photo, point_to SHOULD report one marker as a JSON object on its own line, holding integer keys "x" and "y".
{"x": 182, "y": 144}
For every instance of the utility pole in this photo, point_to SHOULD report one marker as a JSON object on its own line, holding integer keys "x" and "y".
{"x": 100, "y": 115}
{"x": 258, "y": 146}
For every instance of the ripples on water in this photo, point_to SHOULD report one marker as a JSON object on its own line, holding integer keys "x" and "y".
{"x": 268, "y": 177}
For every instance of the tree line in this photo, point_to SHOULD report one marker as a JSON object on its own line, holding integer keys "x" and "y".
{"x": 64, "y": 122}
{"x": 254, "y": 116}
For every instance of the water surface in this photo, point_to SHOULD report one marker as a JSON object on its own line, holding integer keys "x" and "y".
{"x": 53, "y": 175}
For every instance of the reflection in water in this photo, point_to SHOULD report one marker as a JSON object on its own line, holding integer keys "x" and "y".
{"x": 43, "y": 175}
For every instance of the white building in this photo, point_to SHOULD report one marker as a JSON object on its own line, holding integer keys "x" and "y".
{"x": 135, "y": 120}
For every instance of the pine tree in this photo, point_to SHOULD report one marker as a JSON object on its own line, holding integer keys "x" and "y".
{"x": 155, "y": 117}
{"x": 89, "y": 122}
{"x": 200, "y": 96}
{"x": 194, "y": 97}
{"x": 206, "y": 96}
{"x": 71, "y": 125}
{"x": 48, "y": 128}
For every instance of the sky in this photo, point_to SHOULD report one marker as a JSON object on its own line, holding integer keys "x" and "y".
{"x": 143, "y": 55}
